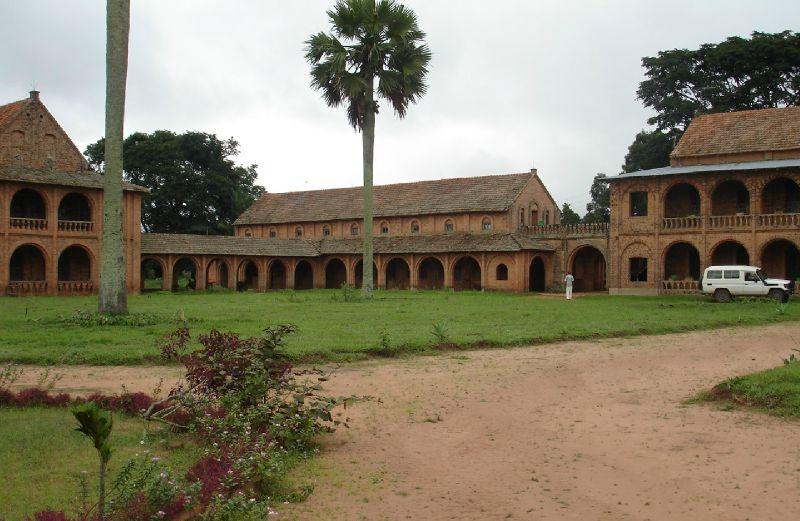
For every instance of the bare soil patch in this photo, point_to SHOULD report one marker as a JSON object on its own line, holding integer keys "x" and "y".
{"x": 578, "y": 430}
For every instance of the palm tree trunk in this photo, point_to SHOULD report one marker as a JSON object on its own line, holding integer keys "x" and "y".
{"x": 113, "y": 296}
{"x": 368, "y": 140}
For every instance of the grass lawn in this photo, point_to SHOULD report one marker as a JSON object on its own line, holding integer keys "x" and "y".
{"x": 31, "y": 330}
{"x": 41, "y": 457}
{"x": 776, "y": 391}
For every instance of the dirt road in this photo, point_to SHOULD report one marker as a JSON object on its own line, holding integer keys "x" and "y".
{"x": 579, "y": 430}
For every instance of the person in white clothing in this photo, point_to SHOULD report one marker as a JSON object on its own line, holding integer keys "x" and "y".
{"x": 568, "y": 280}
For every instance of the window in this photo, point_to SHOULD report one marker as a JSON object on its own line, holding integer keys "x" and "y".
{"x": 522, "y": 216}
{"x": 248, "y": 233}
{"x": 638, "y": 204}
{"x": 449, "y": 226}
{"x": 384, "y": 228}
{"x": 298, "y": 232}
{"x": 638, "y": 269}
{"x": 354, "y": 229}
{"x": 486, "y": 224}
{"x": 751, "y": 276}
{"x": 273, "y": 233}
{"x": 731, "y": 274}
{"x": 326, "y": 231}
{"x": 415, "y": 227}
{"x": 547, "y": 217}
{"x": 714, "y": 274}
{"x": 535, "y": 216}
{"x": 502, "y": 272}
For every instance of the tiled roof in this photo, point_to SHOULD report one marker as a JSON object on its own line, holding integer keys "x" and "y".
{"x": 8, "y": 111}
{"x": 163, "y": 243}
{"x": 744, "y": 131}
{"x": 84, "y": 179}
{"x": 467, "y": 194}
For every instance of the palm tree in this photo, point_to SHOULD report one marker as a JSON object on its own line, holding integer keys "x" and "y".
{"x": 369, "y": 40}
{"x": 113, "y": 296}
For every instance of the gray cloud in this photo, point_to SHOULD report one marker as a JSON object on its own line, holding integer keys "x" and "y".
{"x": 513, "y": 82}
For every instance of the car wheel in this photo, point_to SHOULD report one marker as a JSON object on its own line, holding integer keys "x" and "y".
{"x": 722, "y": 295}
{"x": 776, "y": 295}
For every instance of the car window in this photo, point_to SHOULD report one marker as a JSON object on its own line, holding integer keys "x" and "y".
{"x": 714, "y": 274}
{"x": 731, "y": 274}
{"x": 751, "y": 277}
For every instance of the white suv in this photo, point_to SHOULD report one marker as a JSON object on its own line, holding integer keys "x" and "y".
{"x": 726, "y": 282}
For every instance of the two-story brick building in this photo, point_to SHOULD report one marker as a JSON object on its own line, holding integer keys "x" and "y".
{"x": 731, "y": 195}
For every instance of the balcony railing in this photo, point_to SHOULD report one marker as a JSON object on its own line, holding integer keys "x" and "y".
{"x": 730, "y": 221}
{"x": 568, "y": 229}
{"x": 78, "y": 287}
{"x": 778, "y": 220}
{"x": 680, "y": 286}
{"x": 25, "y": 223}
{"x": 26, "y": 287}
{"x": 683, "y": 223}
{"x": 76, "y": 226}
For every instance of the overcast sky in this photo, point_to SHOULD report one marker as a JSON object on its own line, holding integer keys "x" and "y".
{"x": 513, "y": 83}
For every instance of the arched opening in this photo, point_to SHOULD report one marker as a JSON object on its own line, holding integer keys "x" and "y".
{"x": 415, "y": 227}
{"x": 449, "y": 226}
{"x": 398, "y": 274}
{"x": 781, "y": 260}
{"x": 682, "y": 200}
{"x": 589, "y": 269}
{"x": 359, "y": 274}
{"x": 27, "y": 265}
{"x": 184, "y": 274}
{"x": 303, "y": 275}
{"x": 536, "y": 280}
{"x": 467, "y": 274}
{"x": 535, "y": 215}
{"x": 730, "y": 253}
{"x": 277, "y": 275}
{"x": 335, "y": 274}
{"x": 152, "y": 275}
{"x": 248, "y": 276}
{"x": 486, "y": 224}
{"x": 28, "y": 204}
{"x": 431, "y": 274}
{"x": 501, "y": 272}
{"x": 74, "y": 207}
{"x": 730, "y": 198}
{"x": 354, "y": 230}
{"x": 74, "y": 265}
{"x": 217, "y": 274}
{"x": 682, "y": 262}
{"x": 781, "y": 195}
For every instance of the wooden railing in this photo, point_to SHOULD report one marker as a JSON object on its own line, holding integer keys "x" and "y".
{"x": 75, "y": 226}
{"x": 730, "y": 221}
{"x": 778, "y": 220}
{"x": 682, "y": 223}
{"x": 25, "y": 223}
{"x": 680, "y": 286}
{"x": 26, "y": 287}
{"x": 568, "y": 229}
{"x": 75, "y": 287}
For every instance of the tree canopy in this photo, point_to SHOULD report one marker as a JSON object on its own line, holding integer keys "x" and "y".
{"x": 598, "y": 210}
{"x": 568, "y": 215}
{"x": 195, "y": 186}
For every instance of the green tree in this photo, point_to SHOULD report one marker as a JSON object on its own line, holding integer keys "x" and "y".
{"x": 598, "y": 210}
{"x": 195, "y": 186}
{"x": 370, "y": 40}
{"x": 568, "y": 215}
{"x": 736, "y": 74}
{"x": 113, "y": 296}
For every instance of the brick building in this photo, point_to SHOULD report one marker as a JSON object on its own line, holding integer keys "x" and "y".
{"x": 51, "y": 208}
{"x": 731, "y": 195}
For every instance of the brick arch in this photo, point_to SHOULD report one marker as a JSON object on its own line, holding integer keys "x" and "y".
{"x": 46, "y": 257}
{"x": 375, "y": 270}
{"x": 196, "y": 264}
{"x": 590, "y": 268}
{"x": 723, "y": 207}
{"x": 775, "y": 267}
{"x": 400, "y": 278}
{"x": 537, "y": 273}
{"x": 90, "y": 259}
{"x": 162, "y": 264}
{"x": 765, "y": 200}
{"x": 90, "y": 204}
{"x": 221, "y": 261}
{"x": 701, "y": 193}
{"x": 688, "y": 269}
{"x": 464, "y": 275}
{"x": 636, "y": 249}
{"x": 335, "y": 280}
{"x": 248, "y": 281}
{"x": 714, "y": 250}
{"x": 431, "y": 280}
{"x": 46, "y": 202}
{"x": 277, "y": 278}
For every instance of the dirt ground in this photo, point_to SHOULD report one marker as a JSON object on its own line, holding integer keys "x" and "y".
{"x": 577, "y": 430}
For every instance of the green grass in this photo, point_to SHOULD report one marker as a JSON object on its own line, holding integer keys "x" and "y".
{"x": 330, "y": 328}
{"x": 41, "y": 457}
{"x": 776, "y": 391}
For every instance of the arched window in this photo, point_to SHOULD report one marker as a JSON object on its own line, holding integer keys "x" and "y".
{"x": 248, "y": 232}
{"x": 415, "y": 227}
{"x": 547, "y": 217}
{"x": 354, "y": 229}
{"x": 326, "y": 231}
{"x": 273, "y": 233}
{"x": 486, "y": 224}
{"x": 522, "y": 216}
{"x": 502, "y": 272}
{"x": 298, "y": 232}
{"x": 449, "y": 226}
{"x": 384, "y": 228}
